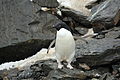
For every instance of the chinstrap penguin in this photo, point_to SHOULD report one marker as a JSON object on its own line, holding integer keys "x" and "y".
{"x": 64, "y": 45}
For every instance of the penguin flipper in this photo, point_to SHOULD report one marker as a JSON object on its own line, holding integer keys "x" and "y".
{"x": 51, "y": 44}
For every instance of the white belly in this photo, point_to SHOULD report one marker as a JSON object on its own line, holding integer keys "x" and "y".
{"x": 65, "y": 44}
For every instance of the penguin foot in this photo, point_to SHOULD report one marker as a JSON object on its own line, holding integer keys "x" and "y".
{"x": 69, "y": 66}
{"x": 60, "y": 66}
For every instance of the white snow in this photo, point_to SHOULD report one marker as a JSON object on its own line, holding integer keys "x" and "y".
{"x": 41, "y": 55}
{"x": 78, "y": 5}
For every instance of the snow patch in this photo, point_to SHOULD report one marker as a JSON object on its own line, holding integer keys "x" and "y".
{"x": 41, "y": 55}
{"x": 78, "y": 5}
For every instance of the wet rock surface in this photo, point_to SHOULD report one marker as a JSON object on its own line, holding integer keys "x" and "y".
{"x": 102, "y": 65}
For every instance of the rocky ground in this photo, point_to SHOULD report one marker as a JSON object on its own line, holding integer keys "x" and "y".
{"x": 26, "y": 28}
{"x": 98, "y": 61}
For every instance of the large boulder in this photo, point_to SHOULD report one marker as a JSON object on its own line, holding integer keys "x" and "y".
{"x": 106, "y": 14}
{"x": 23, "y": 32}
{"x": 77, "y": 16}
{"x": 102, "y": 50}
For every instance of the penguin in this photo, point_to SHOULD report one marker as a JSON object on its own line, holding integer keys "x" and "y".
{"x": 64, "y": 45}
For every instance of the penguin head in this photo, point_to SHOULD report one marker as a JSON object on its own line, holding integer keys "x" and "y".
{"x": 60, "y": 25}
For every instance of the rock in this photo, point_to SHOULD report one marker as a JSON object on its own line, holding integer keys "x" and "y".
{"x": 94, "y": 3}
{"x": 98, "y": 71}
{"x": 1, "y": 78}
{"x": 46, "y": 3}
{"x": 25, "y": 74}
{"x": 9, "y": 75}
{"x": 66, "y": 74}
{"x": 77, "y": 16}
{"x": 77, "y": 5}
{"x": 107, "y": 76}
{"x": 81, "y": 30}
{"x": 113, "y": 33}
{"x": 48, "y": 70}
{"x": 23, "y": 32}
{"x": 99, "y": 51}
{"x": 94, "y": 79}
{"x": 84, "y": 66}
{"x": 116, "y": 69}
{"x": 106, "y": 14}
{"x": 22, "y": 50}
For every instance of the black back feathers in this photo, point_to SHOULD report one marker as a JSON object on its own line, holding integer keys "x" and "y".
{"x": 60, "y": 25}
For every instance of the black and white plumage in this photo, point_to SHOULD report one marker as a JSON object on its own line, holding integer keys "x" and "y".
{"x": 64, "y": 45}
{"x": 60, "y": 25}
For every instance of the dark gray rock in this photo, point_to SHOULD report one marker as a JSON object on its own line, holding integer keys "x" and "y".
{"x": 23, "y": 32}
{"x": 107, "y": 76}
{"x": 48, "y": 70}
{"x": 9, "y": 75}
{"x": 1, "y": 78}
{"x": 22, "y": 50}
{"x": 44, "y": 70}
{"x": 116, "y": 69}
{"x": 94, "y": 3}
{"x": 99, "y": 51}
{"x": 77, "y": 16}
{"x": 66, "y": 74}
{"x": 106, "y": 14}
{"x": 25, "y": 74}
{"x": 98, "y": 72}
{"x": 46, "y": 3}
